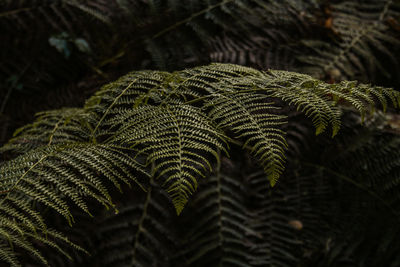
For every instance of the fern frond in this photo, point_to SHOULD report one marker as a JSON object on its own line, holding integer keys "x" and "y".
{"x": 20, "y": 227}
{"x": 377, "y": 160}
{"x": 199, "y": 24}
{"x": 130, "y": 90}
{"x": 278, "y": 218}
{"x": 319, "y": 100}
{"x": 178, "y": 140}
{"x": 54, "y": 176}
{"x": 7, "y": 255}
{"x": 304, "y": 93}
{"x": 258, "y": 51}
{"x": 168, "y": 126}
{"x": 235, "y": 98}
{"x": 252, "y": 119}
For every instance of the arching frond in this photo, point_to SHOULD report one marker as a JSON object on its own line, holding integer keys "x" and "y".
{"x": 119, "y": 96}
{"x": 170, "y": 127}
{"x": 145, "y": 110}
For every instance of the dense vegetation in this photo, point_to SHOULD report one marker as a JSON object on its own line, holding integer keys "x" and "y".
{"x": 206, "y": 142}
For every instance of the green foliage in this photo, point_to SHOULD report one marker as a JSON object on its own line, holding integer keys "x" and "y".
{"x": 178, "y": 140}
{"x": 172, "y": 127}
{"x": 243, "y": 114}
{"x": 56, "y": 176}
{"x": 236, "y": 219}
{"x": 337, "y": 201}
{"x": 339, "y": 40}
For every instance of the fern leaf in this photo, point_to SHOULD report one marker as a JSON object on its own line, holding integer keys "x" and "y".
{"x": 318, "y": 100}
{"x": 251, "y": 118}
{"x": 130, "y": 90}
{"x": 177, "y": 140}
{"x": 7, "y": 255}
{"x": 52, "y": 176}
{"x": 235, "y": 98}
{"x": 173, "y": 124}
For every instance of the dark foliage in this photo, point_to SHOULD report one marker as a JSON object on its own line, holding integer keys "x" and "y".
{"x": 337, "y": 201}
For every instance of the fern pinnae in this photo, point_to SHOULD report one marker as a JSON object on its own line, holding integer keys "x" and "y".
{"x": 307, "y": 95}
{"x": 18, "y": 240}
{"x": 240, "y": 113}
{"x": 32, "y": 222}
{"x": 176, "y": 136}
{"x": 178, "y": 123}
{"x": 44, "y": 170}
{"x": 109, "y": 108}
{"x": 67, "y": 125}
{"x": 51, "y": 233}
{"x": 92, "y": 186}
{"x": 7, "y": 255}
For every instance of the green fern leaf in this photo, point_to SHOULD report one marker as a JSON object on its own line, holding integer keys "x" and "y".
{"x": 52, "y": 176}
{"x": 170, "y": 126}
{"x": 177, "y": 140}
{"x": 319, "y": 100}
{"x": 251, "y": 117}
